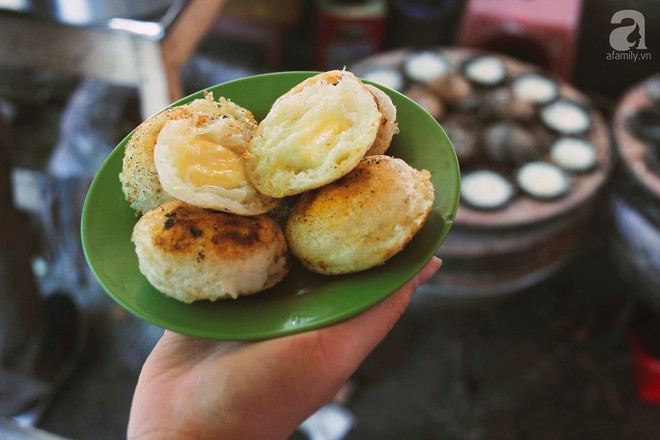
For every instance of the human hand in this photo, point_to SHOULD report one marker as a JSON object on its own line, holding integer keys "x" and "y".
{"x": 207, "y": 389}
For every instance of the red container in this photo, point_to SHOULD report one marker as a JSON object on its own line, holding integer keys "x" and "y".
{"x": 544, "y": 32}
{"x": 348, "y": 31}
{"x": 646, "y": 369}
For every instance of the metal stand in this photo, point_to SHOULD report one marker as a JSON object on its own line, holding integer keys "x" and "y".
{"x": 145, "y": 53}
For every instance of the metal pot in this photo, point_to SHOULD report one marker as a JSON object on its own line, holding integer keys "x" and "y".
{"x": 635, "y": 201}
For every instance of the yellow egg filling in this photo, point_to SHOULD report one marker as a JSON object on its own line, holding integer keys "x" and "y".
{"x": 204, "y": 162}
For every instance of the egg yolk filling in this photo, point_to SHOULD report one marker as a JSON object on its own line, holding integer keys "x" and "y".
{"x": 204, "y": 162}
{"x": 203, "y": 154}
{"x": 312, "y": 138}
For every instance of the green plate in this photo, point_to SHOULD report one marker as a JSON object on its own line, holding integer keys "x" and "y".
{"x": 304, "y": 300}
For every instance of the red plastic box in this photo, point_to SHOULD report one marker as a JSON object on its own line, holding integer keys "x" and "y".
{"x": 544, "y": 32}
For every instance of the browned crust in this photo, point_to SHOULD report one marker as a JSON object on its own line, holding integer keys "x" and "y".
{"x": 179, "y": 228}
{"x": 351, "y": 208}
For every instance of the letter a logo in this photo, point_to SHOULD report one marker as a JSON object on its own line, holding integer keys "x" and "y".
{"x": 631, "y": 33}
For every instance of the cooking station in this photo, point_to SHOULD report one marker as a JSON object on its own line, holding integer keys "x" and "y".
{"x": 507, "y": 236}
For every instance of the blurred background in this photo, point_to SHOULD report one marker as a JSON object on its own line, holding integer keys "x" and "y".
{"x": 544, "y": 321}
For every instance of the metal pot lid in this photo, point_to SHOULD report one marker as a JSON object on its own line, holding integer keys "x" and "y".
{"x": 90, "y": 12}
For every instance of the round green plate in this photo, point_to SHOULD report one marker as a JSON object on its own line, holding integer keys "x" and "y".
{"x": 303, "y": 300}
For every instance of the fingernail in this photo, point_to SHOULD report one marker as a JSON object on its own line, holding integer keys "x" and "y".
{"x": 428, "y": 271}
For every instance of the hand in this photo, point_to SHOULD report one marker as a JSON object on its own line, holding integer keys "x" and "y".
{"x": 206, "y": 389}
